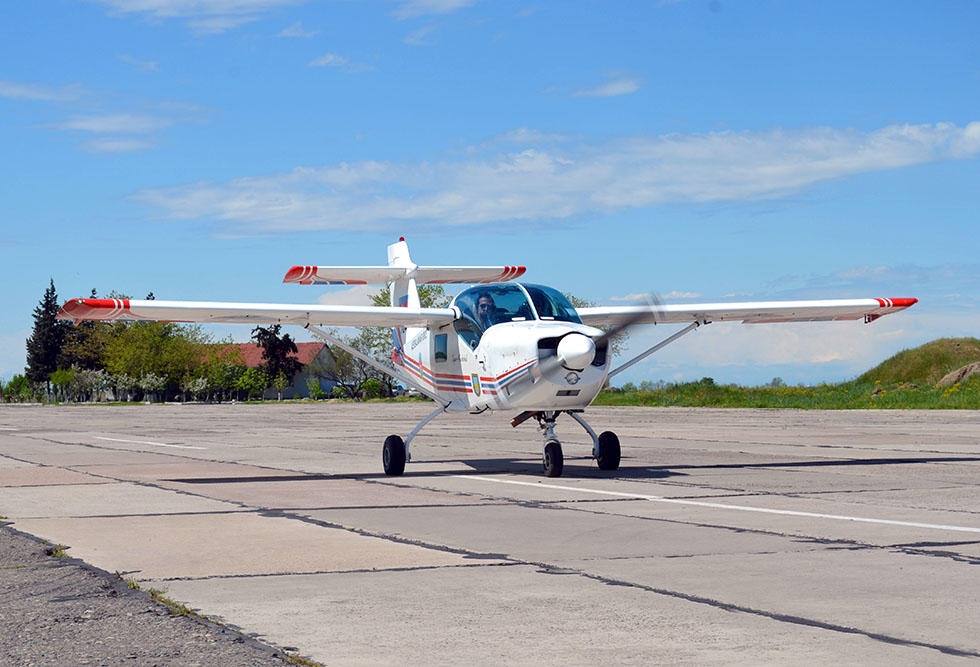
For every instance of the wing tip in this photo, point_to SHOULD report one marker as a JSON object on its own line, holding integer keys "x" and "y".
{"x": 302, "y": 275}
{"x": 898, "y": 303}
{"x": 92, "y": 309}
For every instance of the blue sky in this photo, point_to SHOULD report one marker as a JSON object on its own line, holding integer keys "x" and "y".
{"x": 702, "y": 150}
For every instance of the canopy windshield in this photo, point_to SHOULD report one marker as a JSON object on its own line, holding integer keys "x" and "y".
{"x": 486, "y": 305}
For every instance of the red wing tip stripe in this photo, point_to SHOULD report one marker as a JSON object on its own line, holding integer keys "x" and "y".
{"x": 897, "y": 303}
{"x": 508, "y": 273}
{"x": 300, "y": 274}
{"x": 101, "y": 309}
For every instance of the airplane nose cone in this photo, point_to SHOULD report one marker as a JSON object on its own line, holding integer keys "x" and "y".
{"x": 576, "y": 351}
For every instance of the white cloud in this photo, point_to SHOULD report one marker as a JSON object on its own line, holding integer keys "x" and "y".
{"x": 117, "y": 123}
{"x": 141, "y": 65}
{"x": 551, "y": 182}
{"x": 297, "y": 30}
{"x": 754, "y": 353}
{"x": 359, "y": 295}
{"x": 339, "y": 62}
{"x": 420, "y": 37}
{"x": 204, "y": 16}
{"x": 413, "y": 8}
{"x": 638, "y": 298}
{"x": 213, "y": 25}
{"x": 955, "y": 285}
{"x": 117, "y": 145}
{"x": 807, "y": 353}
{"x": 612, "y": 88}
{"x": 37, "y": 92}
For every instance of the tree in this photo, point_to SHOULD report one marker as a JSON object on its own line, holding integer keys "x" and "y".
{"x": 123, "y": 386}
{"x": 313, "y": 386}
{"x": 223, "y": 365}
{"x": 152, "y": 385}
{"x": 85, "y": 343}
{"x": 346, "y": 371}
{"x": 18, "y": 389}
{"x": 278, "y": 351}
{"x": 47, "y": 339}
{"x": 280, "y": 382}
{"x": 61, "y": 381}
{"x": 375, "y": 342}
{"x": 162, "y": 349}
{"x": 253, "y": 382}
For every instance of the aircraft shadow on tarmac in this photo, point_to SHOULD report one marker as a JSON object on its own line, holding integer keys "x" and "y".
{"x": 576, "y": 468}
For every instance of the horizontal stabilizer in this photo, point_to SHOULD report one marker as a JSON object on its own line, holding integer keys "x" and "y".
{"x": 380, "y": 275}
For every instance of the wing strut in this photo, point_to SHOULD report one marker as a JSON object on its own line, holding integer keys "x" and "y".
{"x": 374, "y": 363}
{"x": 664, "y": 343}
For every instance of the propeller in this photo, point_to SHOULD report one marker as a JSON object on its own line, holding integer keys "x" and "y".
{"x": 576, "y": 351}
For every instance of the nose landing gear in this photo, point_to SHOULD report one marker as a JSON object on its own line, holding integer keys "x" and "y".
{"x": 605, "y": 446}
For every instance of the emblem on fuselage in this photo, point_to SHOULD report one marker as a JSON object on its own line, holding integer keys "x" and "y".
{"x": 475, "y": 382}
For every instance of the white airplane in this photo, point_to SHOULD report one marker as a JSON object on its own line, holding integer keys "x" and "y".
{"x": 499, "y": 345}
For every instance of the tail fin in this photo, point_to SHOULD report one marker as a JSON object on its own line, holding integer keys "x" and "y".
{"x": 404, "y": 290}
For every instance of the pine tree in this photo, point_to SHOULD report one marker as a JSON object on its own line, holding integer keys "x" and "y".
{"x": 47, "y": 339}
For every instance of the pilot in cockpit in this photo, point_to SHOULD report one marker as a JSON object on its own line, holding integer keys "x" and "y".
{"x": 486, "y": 310}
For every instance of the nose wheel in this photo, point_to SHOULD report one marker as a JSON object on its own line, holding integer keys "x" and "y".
{"x": 554, "y": 460}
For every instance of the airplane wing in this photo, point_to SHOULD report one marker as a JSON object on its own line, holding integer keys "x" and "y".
{"x": 379, "y": 275}
{"x": 756, "y": 312}
{"x": 253, "y": 313}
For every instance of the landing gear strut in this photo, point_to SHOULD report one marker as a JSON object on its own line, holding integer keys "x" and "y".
{"x": 396, "y": 453}
{"x": 553, "y": 459}
{"x": 605, "y": 446}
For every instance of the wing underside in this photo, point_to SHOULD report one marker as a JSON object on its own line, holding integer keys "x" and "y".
{"x": 756, "y": 312}
{"x": 253, "y": 313}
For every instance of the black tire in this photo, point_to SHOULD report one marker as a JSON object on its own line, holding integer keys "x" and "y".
{"x": 609, "y": 451}
{"x": 393, "y": 456}
{"x": 554, "y": 460}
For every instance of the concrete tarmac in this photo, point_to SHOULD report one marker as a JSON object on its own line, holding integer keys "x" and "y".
{"x": 727, "y": 536}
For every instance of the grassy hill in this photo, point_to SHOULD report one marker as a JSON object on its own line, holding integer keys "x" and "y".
{"x": 906, "y": 380}
{"x": 926, "y": 364}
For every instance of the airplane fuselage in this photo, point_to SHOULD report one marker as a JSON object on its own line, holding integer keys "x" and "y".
{"x": 533, "y": 356}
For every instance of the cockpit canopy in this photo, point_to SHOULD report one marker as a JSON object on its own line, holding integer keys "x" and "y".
{"x": 485, "y": 305}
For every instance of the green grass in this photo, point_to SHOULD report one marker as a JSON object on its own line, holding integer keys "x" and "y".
{"x": 848, "y": 396}
{"x": 58, "y": 551}
{"x": 176, "y": 608}
{"x": 905, "y": 381}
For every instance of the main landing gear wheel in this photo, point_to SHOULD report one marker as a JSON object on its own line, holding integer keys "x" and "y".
{"x": 609, "y": 451}
{"x": 554, "y": 460}
{"x": 393, "y": 456}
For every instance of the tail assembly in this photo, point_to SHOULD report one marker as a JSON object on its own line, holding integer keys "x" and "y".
{"x": 404, "y": 290}
{"x": 403, "y": 276}
{"x": 401, "y": 271}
